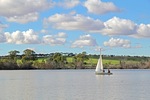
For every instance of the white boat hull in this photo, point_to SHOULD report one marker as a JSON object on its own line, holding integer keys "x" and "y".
{"x": 102, "y": 73}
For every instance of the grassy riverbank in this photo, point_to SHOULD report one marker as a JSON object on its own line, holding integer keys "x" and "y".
{"x": 91, "y": 63}
{"x": 72, "y": 61}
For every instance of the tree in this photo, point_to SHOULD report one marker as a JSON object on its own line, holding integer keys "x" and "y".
{"x": 29, "y": 54}
{"x": 57, "y": 60}
{"x": 27, "y": 59}
{"x": 79, "y": 59}
{"x": 13, "y": 54}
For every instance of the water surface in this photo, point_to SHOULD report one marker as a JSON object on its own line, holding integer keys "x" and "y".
{"x": 74, "y": 85}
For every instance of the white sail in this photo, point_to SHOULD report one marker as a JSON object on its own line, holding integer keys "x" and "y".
{"x": 99, "y": 67}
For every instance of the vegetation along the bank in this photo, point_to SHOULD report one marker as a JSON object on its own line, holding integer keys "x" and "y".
{"x": 30, "y": 60}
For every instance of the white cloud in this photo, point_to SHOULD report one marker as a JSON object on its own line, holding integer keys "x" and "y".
{"x": 69, "y": 3}
{"x": 20, "y": 9}
{"x": 99, "y": 7}
{"x": 44, "y": 31}
{"x": 143, "y": 31}
{"x": 30, "y": 17}
{"x": 58, "y": 39}
{"x": 61, "y": 35}
{"x": 113, "y": 26}
{"x": 31, "y": 37}
{"x": 85, "y": 40}
{"x": 9, "y": 8}
{"x": 77, "y": 22}
{"x": 2, "y": 38}
{"x": 118, "y": 43}
{"x": 117, "y": 26}
{"x": 25, "y": 37}
{"x": 2, "y": 26}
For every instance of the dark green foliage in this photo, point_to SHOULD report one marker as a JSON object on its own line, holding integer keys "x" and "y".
{"x": 8, "y": 64}
{"x": 79, "y": 60}
{"x": 13, "y": 54}
{"x": 56, "y": 61}
{"x": 29, "y": 54}
{"x": 27, "y": 65}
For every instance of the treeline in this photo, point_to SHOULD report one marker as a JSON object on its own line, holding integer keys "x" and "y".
{"x": 30, "y": 60}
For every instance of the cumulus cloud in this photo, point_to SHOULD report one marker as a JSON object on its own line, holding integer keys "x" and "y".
{"x": 58, "y": 39}
{"x": 113, "y": 26}
{"x": 117, "y": 26}
{"x": 25, "y": 37}
{"x": 84, "y": 40}
{"x": 2, "y": 26}
{"x": 143, "y": 31}
{"x": 44, "y": 31}
{"x": 69, "y": 3}
{"x": 17, "y": 10}
{"x": 118, "y": 43}
{"x": 74, "y": 22}
{"x": 99, "y": 7}
{"x": 32, "y": 37}
{"x": 22, "y": 7}
{"x": 31, "y": 17}
{"x": 2, "y": 38}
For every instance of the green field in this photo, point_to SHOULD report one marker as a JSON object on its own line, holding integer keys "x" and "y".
{"x": 60, "y": 61}
{"x": 90, "y": 61}
{"x": 94, "y": 61}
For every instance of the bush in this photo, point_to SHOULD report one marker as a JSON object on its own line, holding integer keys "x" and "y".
{"x": 27, "y": 65}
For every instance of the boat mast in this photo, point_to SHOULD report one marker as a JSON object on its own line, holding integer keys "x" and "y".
{"x": 101, "y": 63}
{"x": 100, "y": 51}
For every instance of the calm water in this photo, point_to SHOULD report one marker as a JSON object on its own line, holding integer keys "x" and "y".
{"x": 74, "y": 85}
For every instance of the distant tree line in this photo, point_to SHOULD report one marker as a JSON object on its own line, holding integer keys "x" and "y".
{"x": 30, "y": 60}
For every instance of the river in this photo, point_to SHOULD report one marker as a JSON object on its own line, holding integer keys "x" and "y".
{"x": 74, "y": 85}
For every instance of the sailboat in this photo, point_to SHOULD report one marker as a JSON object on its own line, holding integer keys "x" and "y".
{"x": 99, "y": 68}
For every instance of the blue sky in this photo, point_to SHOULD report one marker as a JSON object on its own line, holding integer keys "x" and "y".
{"x": 119, "y": 27}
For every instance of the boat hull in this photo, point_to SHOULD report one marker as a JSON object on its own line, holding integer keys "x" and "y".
{"x": 102, "y": 73}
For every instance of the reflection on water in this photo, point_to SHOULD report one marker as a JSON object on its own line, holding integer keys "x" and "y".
{"x": 74, "y": 85}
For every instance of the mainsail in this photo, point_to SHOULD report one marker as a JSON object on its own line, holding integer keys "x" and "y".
{"x": 99, "y": 67}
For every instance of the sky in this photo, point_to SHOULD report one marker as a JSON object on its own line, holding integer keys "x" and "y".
{"x": 119, "y": 27}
